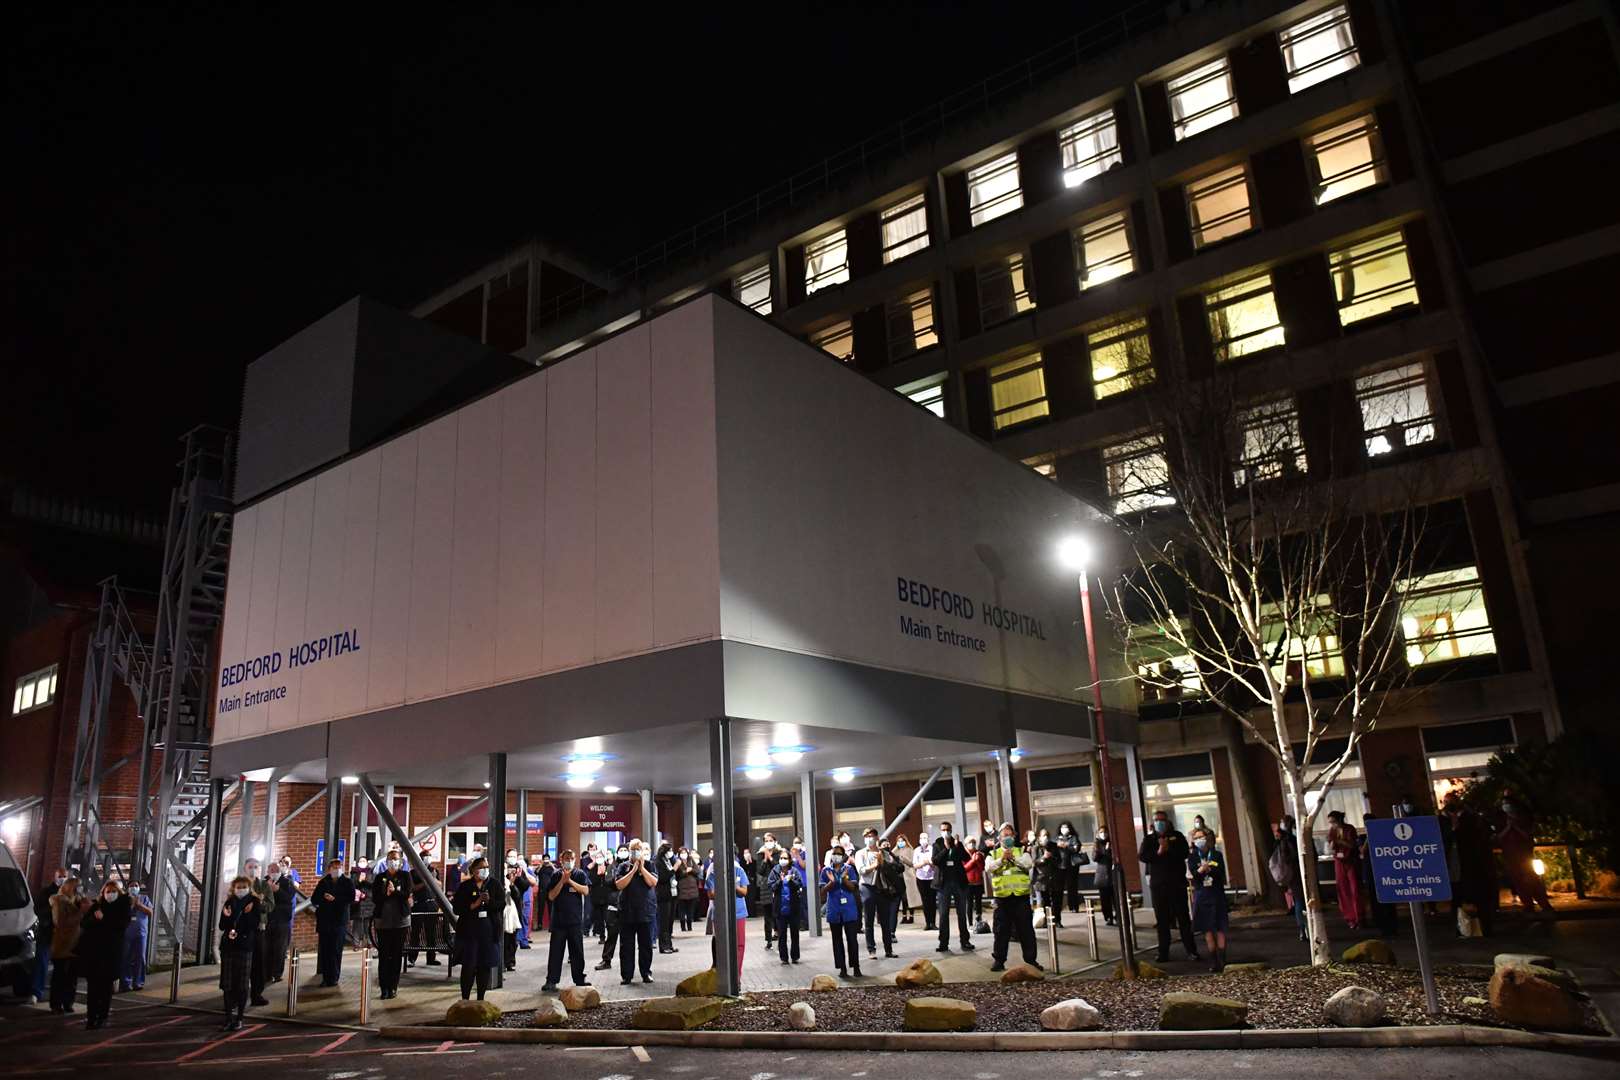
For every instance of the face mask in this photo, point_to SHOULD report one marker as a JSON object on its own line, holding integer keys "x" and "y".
{"x": 134, "y": 890}
{"x": 1063, "y": 830}
{"x": 483, "y": 872}
{"x": 1006, "y": 840}
{"x": 1161, "y": 826}
{"x": 871, "y": 841}
{"x": 624, "y": 853}
{"x": 1101, "y": 835}
{"x": 837, "y": 858}
{"x": 945, "y": 835}
{"x": 783, "y": 863}
{"x": 110, "y": 895}
{"x": 275, "y": 872}
{"x": 251, "y": 871}
{"x": 364, "y": 864}
{"x": 337, "y": 871}
{"x": 241, "y": 893}
{"x": 886, "y": 848}
{"x": 60, "y": 881}
{"x": 568, "y": 865}
{"x": 511, "y": 860}
{"x": 393, "y": 864}
{"x": 1201, "y": 843}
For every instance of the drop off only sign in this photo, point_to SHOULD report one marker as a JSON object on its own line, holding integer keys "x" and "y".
{"x": 1408, "y": 860}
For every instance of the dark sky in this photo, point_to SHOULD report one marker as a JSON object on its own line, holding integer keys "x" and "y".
{"x": 188, "y": 185}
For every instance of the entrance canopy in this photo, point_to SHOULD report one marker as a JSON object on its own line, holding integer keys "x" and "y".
{"x": 700, "y": 517}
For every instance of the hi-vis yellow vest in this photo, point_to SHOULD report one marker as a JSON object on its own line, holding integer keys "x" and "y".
{"x": 1010, "y": 879}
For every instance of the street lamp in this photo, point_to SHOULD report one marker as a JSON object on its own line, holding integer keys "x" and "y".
{"x": 1074, "y": 552}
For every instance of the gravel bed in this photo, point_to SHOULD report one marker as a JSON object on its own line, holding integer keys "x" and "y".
{"x": 1288, "y": 998}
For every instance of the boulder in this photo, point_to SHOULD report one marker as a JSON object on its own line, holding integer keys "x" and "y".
{"x": 1474, "y": 1003}
{"x": 1075, "y": 1014}
{"x": 918, "y": 973}
{"x": 823, "y": 983}
{"x": 1503, "y": 959}
{"x": 1355, "y": 1006}
{"x": 1552, "y": 975}
{"x": 676, "y": 1013}
{"x": 1182, "y": 1011}
{"x": 1248, "y": 968}
{"x": 1521, "y": 995}
{"x": 577, "y": 998}
{"x": 473, "y": 1014}
{"x": 549, "y": 1012}
{"x": 939, "y": 1014}
{"x": 1022, "y": 973}
{"x": 703, "y": 984}
{"x": 801, "y": 1017}
{"x": 1372, "y": 951}
{"x": 1144, "y": 970}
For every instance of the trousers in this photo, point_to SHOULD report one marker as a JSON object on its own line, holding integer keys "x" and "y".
{"x": 1170, "y": 908}
{"x": 1013, "y": 917}
{"x": 572, "y": 940}
{"x": 945, "y": 898}
{"x": 390, "y": 957}
{"x": 634, "y": 937}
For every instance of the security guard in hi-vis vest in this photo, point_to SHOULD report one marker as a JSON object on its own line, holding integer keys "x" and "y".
{"x": 1009, "y": 868}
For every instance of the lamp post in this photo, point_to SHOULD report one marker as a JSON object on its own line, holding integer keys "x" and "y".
{"x": 1075, "y": 553}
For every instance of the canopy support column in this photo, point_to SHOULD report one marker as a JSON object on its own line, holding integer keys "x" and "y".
{"x": 807, "y": 816}
{"x": 725, "y": 857}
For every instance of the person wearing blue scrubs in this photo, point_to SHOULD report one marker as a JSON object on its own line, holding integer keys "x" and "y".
{"x": 739, "y": 911}
{"x": 132, "y": 974}
{"x": 840, "y": 891}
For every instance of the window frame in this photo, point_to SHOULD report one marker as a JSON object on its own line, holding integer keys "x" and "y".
{"x": 1088, "y": 233}
{"x": 47, "y": 677}
{"x": 1006, "y": 372}
{"x": 1312, "y": 73}
{"x": 1078, "y": 171}
{"x": 1128, "y": 328}
{"x": 825, "y": 336}
{"x": 1211, "y": 185}
{"x": 1328, "y": 139}
{"x": 754, "y": 275}
{"x": 1015, "y": 268}
{"x": 1185, "y": 127}
{"x": 832, "y": 274}
{"x": 918, "y": 393}
{"x": 1145, "y": 497}
{"x": 906, "y": 307}
{"x": 1415, "y": 373}
{"x": 1341, "y": 267}
{"x": 1002, "y": 203}
{"x": 1414, "y": 592}
{"x": 1252, "y": 418}
{"x": 891, "y": 216}
{"x": 1226, "y": 296}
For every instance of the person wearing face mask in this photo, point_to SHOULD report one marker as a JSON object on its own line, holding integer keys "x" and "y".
{"x": 666, "y": 865}
{"x": 597, "y": 867}
{"x": 1207, "y": 866}
{"x": 569, "y": 897}
{"x": 364, "y": 908}
{"x": 637, "y": 883}
{"x": 686, "y": 889}
{"x": 950, "y": 887}
{"x": 840, "y": 893}
{"x": 610, "y": 907}
{"x": 1517, "y": 838}
{"x": 1071, "y": 857}
{"x": 67, "y": 914}
{"x": 518, "y": 886}
{"x": 902, "y": 853}
{"x": 391, "y": 894}
{"x": 478, "y": 905}
{"x": 1346, "y": 849}
{"x": 278, "y": 928}
{"x": 289, "y": 872}
{"x": 101, "y": 950}
{"x": 1009, "y": 867}
{"x": 1047, "y": 883}
{"x": 1165, "y": 851}
{"x": 866, "y": 864}
{"x": 266, "y": 896}
{"x": 889, "y": 885}
{"x": 331, "y": 898}
{"x": 238, "y": 938}
{"x": 974, "y": 869}
{"x": 785, "y": 890}
{"x": 739, "y": 911}
{"x": 426, "y": 916}
{"x": 132, "y": 969}
{"x": 1102, "y": 856}
{"x": 922, "y": 866}
{"x": 1284, "y": 869}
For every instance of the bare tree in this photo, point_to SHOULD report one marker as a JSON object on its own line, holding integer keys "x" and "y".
{"x": 1275, "y": 594}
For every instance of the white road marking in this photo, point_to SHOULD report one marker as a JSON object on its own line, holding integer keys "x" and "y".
{"x": 641, "y": 1054}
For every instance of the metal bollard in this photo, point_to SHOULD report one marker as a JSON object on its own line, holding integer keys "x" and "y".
{"x": 1091, "y": 931}
{"x": 365, "y": 984}
{"x": 174, "y": 975}
{"x": 292, "y": 982}
{"x": 1052, "y": 946}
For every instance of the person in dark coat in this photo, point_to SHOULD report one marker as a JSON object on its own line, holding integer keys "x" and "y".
{"x": 101, "y": 951}
{"x": 332, "y": 897}
{"x": 785, "y": 892}
{"x": 950, "y": 887}
{"x": 1102, "y": 856}
{"x": 610, "y": 908}
{"x": 1207, "y": 865}
{"x": 425, "y": 914}
{"x": 1474, "y": 881}
{"x": 1165, "y": 852}
{"x": 478, "y": 906}
{"x": 637, "y": 883}
{"x": 238, "y": 939}
{"x": 67, "y": 914}
{"x": 278, "y": 931}
{"x": 1071, "y": 857}
{"x": 569, "y": 899}
{"x": 518, "y": 884}
{"x": 391, "y": 895}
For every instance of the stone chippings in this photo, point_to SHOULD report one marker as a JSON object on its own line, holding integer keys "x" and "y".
{"x": 1287, "y": 998}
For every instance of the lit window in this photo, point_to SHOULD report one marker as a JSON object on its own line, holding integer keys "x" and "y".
{"x": 1318, "y": 48}
{"x": 1102, "y": 249}
{"x": 1243, "y": 318}
{"x": 993, "y": 189}
{"x": 1218, "y": 206}
{"x": 1372, "y": 277}
{"x": 1003, "y": 291}
{"x": 1090, "y": 147}
{"x": 1270, "y": 441}
{"x": 1045, "y": 464}
{"x": 911, "y": 323}
{"x": 1121, "y": 357}
{"x": 1163, "y": 671}
{"x": 1443, "y": 617}
{"x": 1138, "y": 474}
{"x": 1395, "y": 410}
{"x": 1202, "y": 98}
{"x": 929, "y": 393}
{"x": 837, "y": 340}
{"x": 1311, "y": 647}
{"x": 1345, "y": 158}
{"x": 826, "y": 262}
{"x": 34, "y": 691}
{"x": 905, "y": 228}
{"x": 752, "y": 288}
{"x": 1018, "y": 392}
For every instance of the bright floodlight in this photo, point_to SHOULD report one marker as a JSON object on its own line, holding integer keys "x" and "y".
{"x": 787, "y": 756}
{"x": 843, "y": 776}
{"x": 705, "y": 790}
{"x": 351, "y": 779}
{"x": 580, "y": 780}
{"x": 610, "y": 789}
{"x": 1074, "y": 553}
{"x": 258, "y": 852}
{"x": 757, "y": 772}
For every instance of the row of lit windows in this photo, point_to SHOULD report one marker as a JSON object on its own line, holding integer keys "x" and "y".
{"x": 34, "y": 691}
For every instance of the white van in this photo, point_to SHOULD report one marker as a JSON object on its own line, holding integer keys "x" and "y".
{"x": 17, "y": 926}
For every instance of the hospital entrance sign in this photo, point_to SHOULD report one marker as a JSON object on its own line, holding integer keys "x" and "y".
{"x": 1408, "y": 860}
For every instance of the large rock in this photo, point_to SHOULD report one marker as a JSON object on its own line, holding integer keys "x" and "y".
{"x": 1182, "y": 1011}
{"x": 801, "y": 1017}
{"x": 578, "y": 998}
{"x": 1355, "y": 1006}
{"x": 676, "y": 1013}
{"x": 1022, "y": 973}
{"x": 940, "y": 1014}
{"x": 823, "y": 983}
{"x": 473, "y": 1014}
{"x": 703, "y": 984}
{"x": 1371, "y": 951}
{"x": 1249, "y": 968}
{"x": 918, "y": 973}
{"x": 1552, "y": 975}
{"x": 1520, "y": 994}
{"x": 1075, "y": 1014}
{"x": 549, "y": 1012}
{"x": 1504, "y": 959}
{"x": 1144, "y": 970}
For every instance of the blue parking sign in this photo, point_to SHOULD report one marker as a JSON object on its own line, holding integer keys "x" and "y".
{"x": 1408, "y": 860}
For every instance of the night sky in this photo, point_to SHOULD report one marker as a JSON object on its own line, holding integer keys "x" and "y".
{"x": 187, "y": 186}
